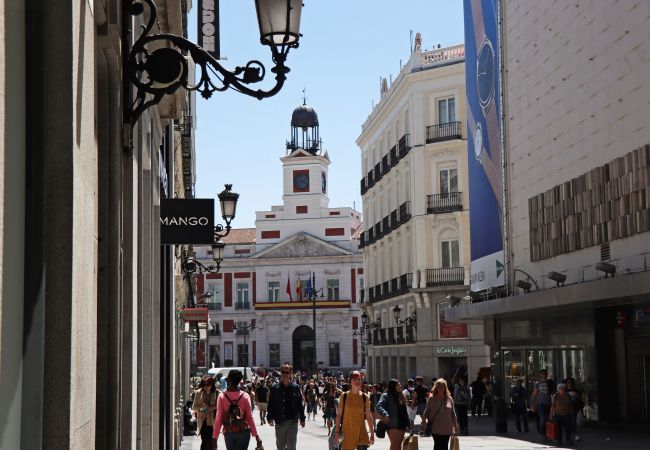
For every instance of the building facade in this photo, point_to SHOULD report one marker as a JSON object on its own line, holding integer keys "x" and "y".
{"x": 303, "y": 242}
{"x": 87, "y": 344}
{"x": 415, "y": 243}
{"x": 576, "y": 98}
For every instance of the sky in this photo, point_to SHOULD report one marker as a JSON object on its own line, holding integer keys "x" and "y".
{"x": 347, "y": 45}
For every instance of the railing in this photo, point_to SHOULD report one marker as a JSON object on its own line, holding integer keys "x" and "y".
{"x": 242, "y": 332}
{"x": 443, "y": 55}
{"x": 443, "y": 132}
{"x": 214, "y": 332}
{"x": 362, "y": 296}
{"x": 363, "y": 186}
{"x": 214, "y": 306}
{"x": 400, "y": 335}
{"x": 404, "y": 145}
{"x": 441, "y": 203}
{"x": 386, "y": 225}
{"x": 393, "y": 155}
{"x": 404, "y": 212}
{"x": 385, "y": 166}
{"x": 378, "y": 173}
{"x": 391, "y": 335}
{"x": 382, "y": 336}
{"x": 391, "y": 288}
{"x": 447, "y": 276}
{"x": 242, "y": 305}
{"x": 410, "y": 334}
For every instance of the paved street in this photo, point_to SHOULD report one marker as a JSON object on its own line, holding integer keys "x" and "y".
{"x": 314, "y": 436}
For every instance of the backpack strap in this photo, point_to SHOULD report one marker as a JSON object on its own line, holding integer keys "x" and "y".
{"x": 236, "y": 401}
{"x": 345, "y": 397}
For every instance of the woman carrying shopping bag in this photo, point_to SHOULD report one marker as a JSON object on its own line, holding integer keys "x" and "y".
{"x": 441, "y": 414}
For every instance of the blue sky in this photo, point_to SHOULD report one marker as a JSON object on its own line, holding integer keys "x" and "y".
{"x": 347, "y": 45}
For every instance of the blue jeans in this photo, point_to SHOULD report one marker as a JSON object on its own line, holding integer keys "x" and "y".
{"x": 238, "y": 440}
{"x": 541, "y": 417}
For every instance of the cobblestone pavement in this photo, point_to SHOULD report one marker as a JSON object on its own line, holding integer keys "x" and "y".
{"x": 482, "y": 437}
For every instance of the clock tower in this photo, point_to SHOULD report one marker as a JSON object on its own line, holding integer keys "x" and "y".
{"x": 305, "y": 165}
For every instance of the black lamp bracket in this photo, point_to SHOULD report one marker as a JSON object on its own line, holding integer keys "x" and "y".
{"x": 163, "y": 70}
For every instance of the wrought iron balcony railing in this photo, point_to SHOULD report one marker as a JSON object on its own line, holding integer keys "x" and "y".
{"x": 404, "y": 145}
{"x": 243, "y": 305}
{"x": 441, "y": 203}
{"x": 443, "y": 132}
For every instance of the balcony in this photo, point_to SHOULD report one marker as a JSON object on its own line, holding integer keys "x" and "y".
{"x": 243, "y": 305}
{"x": 215, "y": 331}
{"x": 442, "y": 203}
{"x": 404, "y": 145}
{"x": 404, "y": 212}
{"x": 443, "y": 132}
{"x": 385, "y": 165}
{"x": 447, "y": 276}
{"x": 363, "y": 186}
{"x": 393, "y": 155}
{"x": 242, "y": 332}
{"x": 410, "y": 334}
{"x": 378, "y": 173}
{"x": 391, "y": 288}
{"x": 214, "y": 306}
{"x": 393, "y": 336}
{"x": 362, "y": 296}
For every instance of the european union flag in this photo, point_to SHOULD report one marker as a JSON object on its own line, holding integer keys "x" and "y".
{"x": 309, "y": 287}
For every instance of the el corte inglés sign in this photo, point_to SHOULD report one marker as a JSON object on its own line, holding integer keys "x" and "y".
{"x": 451, "y": 351}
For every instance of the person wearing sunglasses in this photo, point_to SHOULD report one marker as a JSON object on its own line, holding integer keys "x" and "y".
{"x": 285, "y": 409}
{"x": 353, "y": 413}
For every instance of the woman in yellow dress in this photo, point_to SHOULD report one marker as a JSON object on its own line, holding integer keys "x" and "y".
{"x": 352, "y": 415}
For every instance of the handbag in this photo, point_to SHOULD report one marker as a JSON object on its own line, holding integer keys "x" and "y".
{"x": 454, "y": 442}
{"x": 380, "y": 430}
{"x": 552, "y": 431}
{"x": 410, "y": 442}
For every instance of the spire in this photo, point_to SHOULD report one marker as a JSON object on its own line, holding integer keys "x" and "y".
{"x": 304, "y": 97}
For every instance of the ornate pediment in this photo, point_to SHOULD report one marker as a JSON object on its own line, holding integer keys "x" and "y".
{"x": 302, "y": 245}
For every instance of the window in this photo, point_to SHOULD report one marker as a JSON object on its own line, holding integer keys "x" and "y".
{"x": 450, "y": 330}
{"x": 447, "y": 110}
{"x": 450, "y": 254}
{"x": 274, "y": 291}
{"x": 448, "y": 181}
{"x": 334, "y": 354}
{"x": 214, "y": 355}
{"x": 332, "y": 289}
{"x": 274, "y": 355}
{"x": 361, "y": 289}
{"x": 242, "y": 355}
{"x": 242, "y": 294}
{"x": 215, "y": 300}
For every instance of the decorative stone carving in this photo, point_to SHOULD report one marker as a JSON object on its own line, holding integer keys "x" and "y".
{"x": 302, "y": 246}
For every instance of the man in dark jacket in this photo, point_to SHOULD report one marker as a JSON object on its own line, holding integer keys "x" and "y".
{"x": 478, "y": 391}
{"x": 285, "y": 409}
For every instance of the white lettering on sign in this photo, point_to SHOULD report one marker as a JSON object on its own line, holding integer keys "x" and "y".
{"x": 451, "y": 351}
{"x": 207, "y": 28}
{"x": 192, "y": 221}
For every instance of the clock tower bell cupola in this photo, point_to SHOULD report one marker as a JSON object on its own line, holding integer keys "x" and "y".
{"x": 305, "y": 164}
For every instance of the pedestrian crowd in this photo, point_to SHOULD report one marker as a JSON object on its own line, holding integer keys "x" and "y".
{"x": 355, "y": 413}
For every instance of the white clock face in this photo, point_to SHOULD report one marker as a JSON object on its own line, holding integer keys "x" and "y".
{"x": 478, "y": 142}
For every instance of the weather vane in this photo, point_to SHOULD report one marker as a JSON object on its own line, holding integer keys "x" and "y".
{"x": 304, "y": 97}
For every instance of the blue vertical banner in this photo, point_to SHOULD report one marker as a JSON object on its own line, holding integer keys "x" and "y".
{"x": 484, "y": 143}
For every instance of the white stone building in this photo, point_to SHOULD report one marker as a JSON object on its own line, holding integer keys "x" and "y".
{"x": 416, "y": 243}
{"x": 301, "y": 240}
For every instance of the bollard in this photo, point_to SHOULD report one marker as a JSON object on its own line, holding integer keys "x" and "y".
{"x": 500, "y": 415}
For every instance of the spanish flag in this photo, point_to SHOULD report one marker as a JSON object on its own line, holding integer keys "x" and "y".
{"x": 299, "y": 289}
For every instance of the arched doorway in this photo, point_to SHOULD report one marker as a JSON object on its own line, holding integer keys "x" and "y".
{"x": 303, "y": 347}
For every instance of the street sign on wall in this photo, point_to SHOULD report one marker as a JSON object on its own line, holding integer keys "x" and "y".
{"x": 187, "y": 221}
{"x": 208, "y": 27}
{"x": 194, "y": 314}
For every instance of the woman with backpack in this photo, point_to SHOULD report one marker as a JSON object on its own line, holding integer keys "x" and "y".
{"x": 235, "y": 415}
{"x": 442, "y": 415}
{"x": 352, "y": 415}
{"x": 462, "y": 398}
{"x": 392, "y": 409}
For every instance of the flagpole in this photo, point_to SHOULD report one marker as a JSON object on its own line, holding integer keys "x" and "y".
{"x": 313, "y": 318}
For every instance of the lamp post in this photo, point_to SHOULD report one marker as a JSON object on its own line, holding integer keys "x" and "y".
{"x": 365, "y": 328}
{"x": 157, "y": 63}
{"x": 312, "y": 295}
{"x": 410, "y": 321}
{"x": 245, "y": 329}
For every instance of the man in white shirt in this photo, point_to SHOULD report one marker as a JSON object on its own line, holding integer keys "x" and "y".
{"x": 411, "y": 400}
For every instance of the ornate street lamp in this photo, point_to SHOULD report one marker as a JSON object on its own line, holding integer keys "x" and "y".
{"x": 228, "y": 201}
{"x": 245, "y": 329}
{"x": 156, "y": 69}
{"x": 312, "y": 295}
{"x": 410, "y": 321}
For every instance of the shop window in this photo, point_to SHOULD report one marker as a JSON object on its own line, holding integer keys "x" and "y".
{"x": 447, "y": 329}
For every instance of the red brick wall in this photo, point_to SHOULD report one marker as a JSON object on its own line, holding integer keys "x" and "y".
{"x": 254, "y": 290}
{"x": 200, "y": 285}
{"x": 228, "y": 326}
{"x": 353, "y": 283}
{"x": 355, "y": 351}
{"x": 271, "y": 234}
{"x": 213, "y": 276}
{"x": 355, "y": 323}
{"x": 242, "y": 274}
{"x": 301, "y": 209}
{"x": 254, "y": 353}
